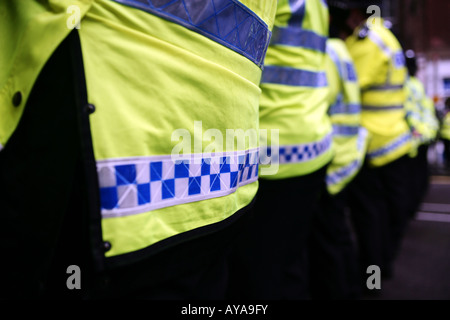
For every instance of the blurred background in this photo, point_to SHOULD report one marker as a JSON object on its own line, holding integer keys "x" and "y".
{"x": 423, "y": 268}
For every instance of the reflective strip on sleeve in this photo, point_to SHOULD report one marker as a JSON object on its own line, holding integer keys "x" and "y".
{"x": 296, "y": 153}
{"x": 381, "y": 108}
{"x": 397, "y": 143}
{"x": 344, "y": 172}
{"x": 336, "y": 60}
{"x": 136, "y": 185}
{"x": 227, "y": 22}
{"x": 293, "y": 77}
{"x": 297, "y": 37}
{"x": 351, "y": 72}
{"x": 345, "y": 108}
{"x": 361, "y": 143}
{"x": 339, "y": 107}
{"x": 297, "y": 12}
{"x": 399, "y": 59}
{"x": 342, "y": 130}
{"x": 380, "y": 43}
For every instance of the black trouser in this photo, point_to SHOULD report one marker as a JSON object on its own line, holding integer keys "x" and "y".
{"x": 380, "y": 204}
{"x": 334, "y": 267}
{"x": 420, "y": 177}
{"x": 49, "y": 203}
{"x": 271, "y": 259}
{"x": 446, "y": 143}
{"x": 42, "y": 193}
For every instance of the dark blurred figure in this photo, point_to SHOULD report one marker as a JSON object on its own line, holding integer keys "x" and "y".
{"x": 333, "y": 255}
{"x": 444, "y": 133}
{"x": 379, "y": 196}
{"x": 423, "y": 122}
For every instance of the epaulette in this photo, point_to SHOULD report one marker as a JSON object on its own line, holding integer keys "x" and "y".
{"x": 363, "y": 32}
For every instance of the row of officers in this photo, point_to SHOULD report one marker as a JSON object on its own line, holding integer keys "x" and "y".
{"x": 87, "y": 115}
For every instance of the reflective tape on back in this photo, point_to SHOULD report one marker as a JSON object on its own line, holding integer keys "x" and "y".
{"x": 227, "y": 22}
{"x": 381, "y": 108}
{"x": 136, "y": 185}
{"x": 293, "y": 77}
{"x": 297, "y": 37}
{"x": 296, "y": 153}
{"x": 340, "y": 107}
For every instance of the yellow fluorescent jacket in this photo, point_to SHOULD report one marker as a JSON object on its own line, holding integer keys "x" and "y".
{"x": 294, "y": 91}
{"x": 381, "y": 71}
{"x": 159, "y": 77}
{"x": 420, "y": 112}
{"x": 349, "y": 137}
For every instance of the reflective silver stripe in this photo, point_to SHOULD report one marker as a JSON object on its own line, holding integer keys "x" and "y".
{"x": 380, "y": 43}
{"x": 362, "y": 139}
{"x": 343, "y": 130}
{"x": 397, "y": 143}
{"x": 381, "y": 108}
{"x": 297, "y": 37}
{"x": 296, "y": 153}
{"x": 335, "y": 58}
{"x": 228, "y": 22}
{"x": 293, "y": 77}
{"x": 135, "y": 185}
{"x": 384, "y": 87}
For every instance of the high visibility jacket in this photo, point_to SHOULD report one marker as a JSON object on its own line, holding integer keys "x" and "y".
{"x": 444, "y": 130}
{"x": 349, "y": 137}
{"x": 380, "y": 66}
{"x": 294, "y": 91}
{"x": 420, "y": 112}
{"x": 168, "y": 81}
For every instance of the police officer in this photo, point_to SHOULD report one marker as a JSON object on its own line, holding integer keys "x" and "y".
{"x": 91, "y": 93}
{"x": 333, "y": 265}
{"x": 380, "y": 197}
{"x": 444, "y": 133}
{"x": 296, "y": 130}
{"x": 423, "y": 122}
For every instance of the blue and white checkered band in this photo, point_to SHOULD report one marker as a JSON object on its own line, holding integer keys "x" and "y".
{"x": 227, "y": 22}
{"x": 342, "y": 173}
{"x": 397, "y": 143}
{"x": 296, "y": 153}
{"x": 136, "y": 185}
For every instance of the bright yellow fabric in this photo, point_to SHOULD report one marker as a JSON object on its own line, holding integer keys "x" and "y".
{"x": 420, "y": 111}
{"x": 299, "y": 113}
{"x": 349, "y": 150}
{"x": 445, "y": 127}
{"x": 146, "y": 77}
{"x": 168, "y": 77}
{"x": 376, "y": 65}
{"x": 30, "y": 31}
